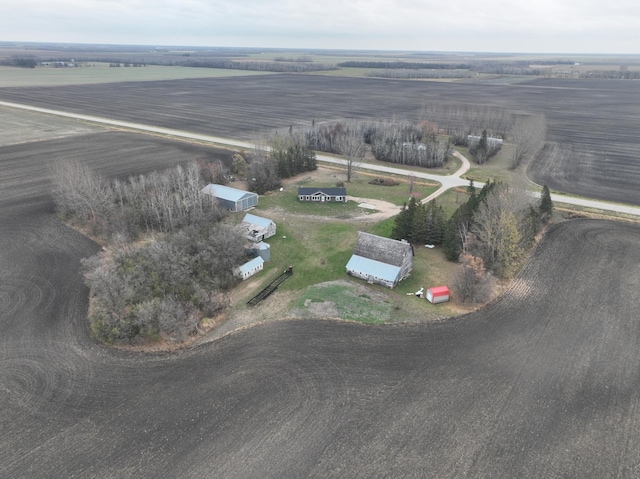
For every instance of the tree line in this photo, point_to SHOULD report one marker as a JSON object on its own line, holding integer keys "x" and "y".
{"x": 158, "y": 202}
{"x": 487, "y": 235}
{"x": 20, "y": 61}
{"x": 279, "y": 156}
{"x": 418, "y": 74}
{"x": 390, "y": 141}
{"x": 266, "y": 66}
{"x": 164, "y": 285}
{"x": 399, "y": 65}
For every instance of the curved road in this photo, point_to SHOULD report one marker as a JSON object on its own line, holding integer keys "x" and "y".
{"x": 447, "y": 181}
{"x": 544, "y": 382}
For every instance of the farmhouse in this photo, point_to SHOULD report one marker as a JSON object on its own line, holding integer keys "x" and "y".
{"x": 232, "y": 199}
{"x": 250, "y": 268}
{"x": 380, "y": 260}
{"x": 256, "y": 228}
{"x": 322, "y": 194}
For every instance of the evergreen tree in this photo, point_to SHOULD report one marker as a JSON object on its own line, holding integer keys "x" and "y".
{"x": 404, "y": 221}
{"x": 418, "y": 225}
{"x": 435, "y": 223}
{"x": 546, "y": 205}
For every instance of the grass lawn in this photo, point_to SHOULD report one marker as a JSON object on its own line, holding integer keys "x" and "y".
{"x": 497, "y": 168}
{"x": 360, "y": 187}
{"x": 317, "y": 240}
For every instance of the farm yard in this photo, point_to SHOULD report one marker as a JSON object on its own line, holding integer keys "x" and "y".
{"x": 542, "y": 382}
{"x": 592, "y": 124}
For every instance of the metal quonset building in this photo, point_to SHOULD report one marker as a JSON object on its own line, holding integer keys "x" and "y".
{"x": 232, "y": 199}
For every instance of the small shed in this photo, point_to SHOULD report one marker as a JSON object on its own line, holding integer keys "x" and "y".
{"x": 322, "y": 194}
{"x": 232, "y": 199}
{"x": 438, "y": 294}
{"x": 249, "y": 268}
{"x": 256, "y": 228}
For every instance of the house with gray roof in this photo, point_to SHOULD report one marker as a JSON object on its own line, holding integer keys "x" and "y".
{"x": 232, "y": 199}
{"x": 380, "y": 260}
{"x": 322, "y": 194}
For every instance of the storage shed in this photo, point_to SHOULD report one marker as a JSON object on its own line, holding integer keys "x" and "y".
{"x": 256, "y": 228}
{"x": 380, "y": 260}
{"x": 438, "y": 294}
{"x": 232, "y": 199}
{"x": 249, "y": 268}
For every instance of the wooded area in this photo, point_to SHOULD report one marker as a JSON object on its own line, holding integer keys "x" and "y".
{"x": 177, "y": 276}
{"x": 487, "y": 235}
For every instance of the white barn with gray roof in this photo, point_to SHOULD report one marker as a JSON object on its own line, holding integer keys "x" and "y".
{"x": 256, "y": 228}
{"x": 380, "y": 260}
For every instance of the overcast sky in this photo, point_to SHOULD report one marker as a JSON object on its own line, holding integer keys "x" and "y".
{"x": 548, "y": 26}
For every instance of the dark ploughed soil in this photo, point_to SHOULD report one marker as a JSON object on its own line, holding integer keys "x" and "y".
{"x": 542, "y": 383}
{"x": 592, "y": 124}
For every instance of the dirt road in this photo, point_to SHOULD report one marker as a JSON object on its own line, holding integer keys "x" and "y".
{"x": 447, "y": 181}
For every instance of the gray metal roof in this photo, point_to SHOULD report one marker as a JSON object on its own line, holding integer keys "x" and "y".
{"x": 257, "y": 220}
{"x": 319, "y": 190}
{"x": 226, "y": 192}
{"x": 373, "y": 268}
{"x": 249, "y": 265}
{"x": 385, "y": 250}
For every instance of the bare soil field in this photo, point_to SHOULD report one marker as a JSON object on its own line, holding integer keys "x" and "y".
{"x": 593, "y": 122}
{"x": 543, "y": 382}
{"x": 25, "y": 166}
{"x": 19, "y": 126}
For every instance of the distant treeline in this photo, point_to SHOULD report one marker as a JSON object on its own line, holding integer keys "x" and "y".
{"x": 276, "y": 66}
{"x": 418, "y": 74}
{"x": 292, "y": 60}
{"x": 405, "y": 65}
{"x": 20, "y": 61}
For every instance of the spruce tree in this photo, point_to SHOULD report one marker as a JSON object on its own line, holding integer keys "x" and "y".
{"x": 418, "y": 225}
{"x": 404, "y": 221}
{"x": 546, "y": 205}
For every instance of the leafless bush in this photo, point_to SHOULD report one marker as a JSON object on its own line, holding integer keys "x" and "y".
{"x": 472, "y": 284}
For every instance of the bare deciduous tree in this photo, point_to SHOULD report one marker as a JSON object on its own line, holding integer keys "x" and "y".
{"x": 528, "y": 134}
{"x": 351, "y": 145}
{"x": 472, "y": 284}
{"x": 79, "y": 191}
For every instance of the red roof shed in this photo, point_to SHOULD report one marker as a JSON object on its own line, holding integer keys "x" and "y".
{"x": 438, "y": 294}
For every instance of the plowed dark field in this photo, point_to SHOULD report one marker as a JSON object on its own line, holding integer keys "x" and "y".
{"x": 592, "y": 124}
{"x": 543, "y": 383}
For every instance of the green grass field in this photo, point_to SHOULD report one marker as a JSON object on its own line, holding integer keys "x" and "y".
{"x": 101, "y": 73}
{"x": 318, "y": 240}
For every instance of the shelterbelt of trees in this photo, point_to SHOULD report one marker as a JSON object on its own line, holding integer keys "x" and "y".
{"x": 488, "y": 235}
{"x": 168, "y": 258}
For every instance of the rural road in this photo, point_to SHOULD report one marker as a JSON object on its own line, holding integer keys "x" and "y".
{"x": 447, "y": 181}
{"x": 544, "y": 382}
